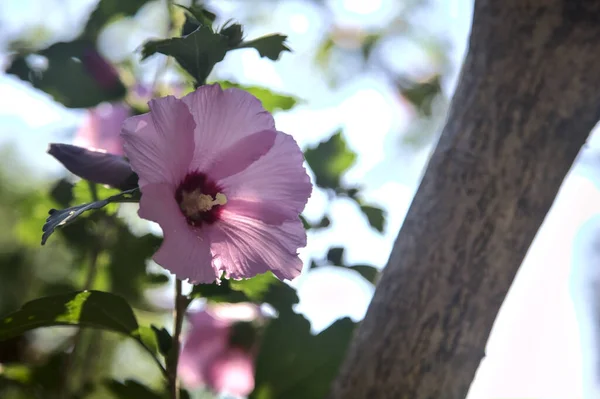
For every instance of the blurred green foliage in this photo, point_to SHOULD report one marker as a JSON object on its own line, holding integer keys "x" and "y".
{"x": 270, "y": 100}
{"x": 99, "y": 252}
{"x": 66, "y": 75}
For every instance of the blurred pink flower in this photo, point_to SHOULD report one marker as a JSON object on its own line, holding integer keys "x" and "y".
{"x": 224, "y": 185}
{"x": 102, "y": 127}
{"x": 210, "y": 358}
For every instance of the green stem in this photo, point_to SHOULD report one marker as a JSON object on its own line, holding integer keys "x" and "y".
{"x": 181, "y": 304}
{"x": 67, "y": 372}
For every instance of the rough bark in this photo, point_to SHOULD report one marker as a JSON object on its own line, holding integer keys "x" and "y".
{"x": 528, "y": 96}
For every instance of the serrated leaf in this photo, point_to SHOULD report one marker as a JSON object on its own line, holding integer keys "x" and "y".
{"x": 376, "y": 216}
{"x": 195, "y": 16}
{"x": 294, "y": 364}
{"x": 330, "y": 160}
{"x": 270, "y": 46}
{"x": 85, "y": 192}
{"x": 95, "y": 309}
{"x": 197, "y": 53}
{"x": 70, "y": 78}
{"x": 270, "y": 100}
{"x": 63, "y": 217}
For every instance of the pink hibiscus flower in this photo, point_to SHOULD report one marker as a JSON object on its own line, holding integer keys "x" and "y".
{"x": 209, "y": 358}
{"x": 102, "y": 127}
{"x": 225, "y": 186}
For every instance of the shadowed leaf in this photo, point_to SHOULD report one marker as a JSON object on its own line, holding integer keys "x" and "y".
{"x": 75, "y": 75}
{"x": 270, "y": 46}
{"x": 63, "y": 217}
{"x": 330, "y": 160}
{"x": 197, "y": 52}
{"x": 293, "y": 363}
{"x": 376, "y": 216}
{"x": 85, "y": 308}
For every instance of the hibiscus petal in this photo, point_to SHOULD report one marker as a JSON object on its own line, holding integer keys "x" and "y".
{"x": 159, "y": 144}
{"x": 102, "y": 127}
{"x": 184, "y": 251}
{"x": 268, "y": 212}
{"x": 222, "y": 118}
{"x": 278, "y": 177}
{"x": 244, "y": 247}
{"x": 206, "y": 340}
{"x": 241, "y": 154}
{"x": 232, "y": 372}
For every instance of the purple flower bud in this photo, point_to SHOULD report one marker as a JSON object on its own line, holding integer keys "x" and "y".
{"x": 101, "y": 70}
{"x": 95, "y": 166}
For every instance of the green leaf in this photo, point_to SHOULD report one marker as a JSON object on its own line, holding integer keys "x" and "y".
{"x": 131, "y": 389}
{"x": 294, "y": 364}
{"x": 330, "y": 160}
{"x": 195, "y": 16}
{"x": 197, "y": 53}
{"x": 281, "y": 296}
{"x": 70, "y": 77}
{"x": 95, "y": 309}
{"x": 255, "y": 288}
{"x": 62, "y": 192}
{"x": 270, "y": 46}
{"x": 271, "y": 101}
{"x": 108, "y": 10}
{"x": 376, "y": 216}
{"x": 63, "y": 217}
{"x": 163, "y": 339}
{"x": 421, "y": 94}
{"x": 263, "y": 288}
{"x": 370, "y": 273}
{"x": 148, "y": 337}
{"x": 233, "y": 32}
{"x": 157, "y": 278}
{"x": 127, "y": 265}
{"x": 335, "y": 255}
{"x": 324, "y": 222}
{"x": 218, "y": 292}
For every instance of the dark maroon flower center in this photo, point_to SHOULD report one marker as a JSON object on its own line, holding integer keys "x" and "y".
{"x": 200, "y": 199}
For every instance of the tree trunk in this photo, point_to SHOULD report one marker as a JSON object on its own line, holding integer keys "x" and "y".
{"x": 528, "y": 96}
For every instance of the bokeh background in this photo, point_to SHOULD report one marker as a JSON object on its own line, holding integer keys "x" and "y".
{"x": 372, "y": 82}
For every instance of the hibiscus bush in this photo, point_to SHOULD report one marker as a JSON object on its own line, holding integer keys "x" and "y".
{"x": 205, "y": 161}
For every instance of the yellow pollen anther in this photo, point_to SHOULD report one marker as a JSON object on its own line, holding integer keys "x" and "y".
{"x": 195, "y": 202}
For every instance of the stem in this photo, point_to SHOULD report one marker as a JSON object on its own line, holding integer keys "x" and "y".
{"x": 181, "y": 303}
{"x": 70, "y": 360}
{"x": 88, "y": 284}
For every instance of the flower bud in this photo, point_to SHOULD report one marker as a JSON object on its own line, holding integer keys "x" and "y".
{"x": 95, "y": 166}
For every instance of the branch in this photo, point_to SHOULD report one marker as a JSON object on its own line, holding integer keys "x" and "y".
{"x": 528, "y": 96}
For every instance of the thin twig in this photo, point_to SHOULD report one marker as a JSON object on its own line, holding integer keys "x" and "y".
{"x": 181, "y": 304}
